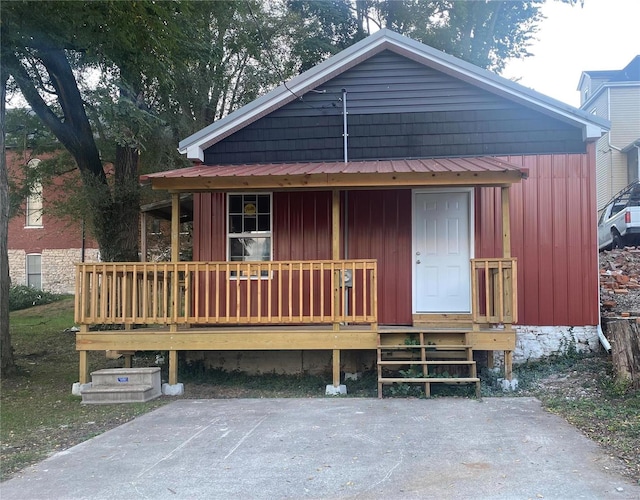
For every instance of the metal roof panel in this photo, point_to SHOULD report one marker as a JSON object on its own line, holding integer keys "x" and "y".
{"x": 417, "y": 165}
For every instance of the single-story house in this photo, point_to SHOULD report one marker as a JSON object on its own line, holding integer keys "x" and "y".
{"x": 393, "y": 198}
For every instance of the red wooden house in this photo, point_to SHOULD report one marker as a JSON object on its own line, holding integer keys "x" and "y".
{"x": 391, "y": 196}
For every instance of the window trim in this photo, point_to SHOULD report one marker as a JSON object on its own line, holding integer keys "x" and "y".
{"x": 26, "y": 269}
{"x": 35, "y": 194}
{"x": 34, "y": 197}
{"x": 263, "y": 234}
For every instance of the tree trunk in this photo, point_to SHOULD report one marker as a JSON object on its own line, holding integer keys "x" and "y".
{"x": 624, "y": 336}
{"x": 117, "y": 224}
{"x": 114, "y": 215}
{"x": 7, "y": 364}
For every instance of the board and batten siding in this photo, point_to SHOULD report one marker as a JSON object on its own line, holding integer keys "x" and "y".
{"x": 209, "y": 227}
{"x": 553, "y": 240}
{"x": 397, "y": 108}
{"x": 553, "y": 236}
{"x": 379, "y": 227}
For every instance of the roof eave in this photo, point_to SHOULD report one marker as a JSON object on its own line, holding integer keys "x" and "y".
{"x": 339, "y": 180}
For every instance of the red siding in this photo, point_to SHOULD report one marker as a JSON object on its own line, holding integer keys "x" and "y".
{"x": 379, "y": 227}
{"x": 209, "y": 230}
{"x": 302, "y": 225}
{"x": 302, "y": 231}
{"x": 553, "y": 222}
{"x": 553, "y": 235}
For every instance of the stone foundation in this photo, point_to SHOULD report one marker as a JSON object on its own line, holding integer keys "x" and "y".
{"x": 535, "y": 342}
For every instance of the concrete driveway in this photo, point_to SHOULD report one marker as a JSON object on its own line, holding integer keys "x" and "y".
{"x": 332, "y": 449}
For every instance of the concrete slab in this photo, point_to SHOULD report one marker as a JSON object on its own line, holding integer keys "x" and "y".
{"x": 333, "y": 448}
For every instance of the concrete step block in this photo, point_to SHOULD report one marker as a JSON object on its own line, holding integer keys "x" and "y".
{"x": 128, "y": 393}
{"x": 123, "y": 376}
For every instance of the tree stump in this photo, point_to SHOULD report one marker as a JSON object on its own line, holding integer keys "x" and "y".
{"x": 624, "y": 336}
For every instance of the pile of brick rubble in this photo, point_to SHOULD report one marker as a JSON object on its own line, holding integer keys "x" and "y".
{"x": 620, "y": 282}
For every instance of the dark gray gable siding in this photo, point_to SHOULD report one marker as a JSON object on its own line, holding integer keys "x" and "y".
{"x": 397, "y": 108}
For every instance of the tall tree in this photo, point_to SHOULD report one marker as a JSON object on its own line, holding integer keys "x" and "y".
{"x": 7, "y": 364}
{"x": 46, "y": 47}
{"x": 243, "y": 51}
{"x": 484, "y": 32}
{"x": 327, "y": 28}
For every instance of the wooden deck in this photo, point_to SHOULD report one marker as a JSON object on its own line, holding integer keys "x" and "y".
{"x": 311, "y": 305}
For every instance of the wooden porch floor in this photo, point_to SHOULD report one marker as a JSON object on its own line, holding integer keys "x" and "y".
{"x": 303, "y": 337}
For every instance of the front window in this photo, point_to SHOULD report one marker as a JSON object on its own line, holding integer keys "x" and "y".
{"x": 249, "y": 227}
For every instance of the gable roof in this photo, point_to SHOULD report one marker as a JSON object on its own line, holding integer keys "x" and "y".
{"x": 625, "y": 77}
{"x": 630, "y": 73}
{"x": 194, "y": 145}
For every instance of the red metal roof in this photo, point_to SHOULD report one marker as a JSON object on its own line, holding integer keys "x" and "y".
{"x": 425, "y": 165}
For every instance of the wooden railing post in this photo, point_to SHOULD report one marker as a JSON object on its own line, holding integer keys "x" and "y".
{"x": 498, "y": 287}
{"x": 506, "y": 222}
{"x": 260, "y": 293}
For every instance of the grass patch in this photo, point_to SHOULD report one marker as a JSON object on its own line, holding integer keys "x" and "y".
{"x": 38, "y": 413}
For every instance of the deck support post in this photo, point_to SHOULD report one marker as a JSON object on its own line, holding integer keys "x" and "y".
{"x": 173, "y": 367}
{"x": 335, "y": 254}
{"x": 490, "y": 361}
{"x": 508, "y": 365}
{"x": 506, "y": 253}
{"x": 336, "y": 388}
{"x": 84, "y": 367}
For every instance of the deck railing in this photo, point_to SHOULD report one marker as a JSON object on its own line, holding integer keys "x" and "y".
{"x": 494, "y": 291}
{"x": 231, "y": 293}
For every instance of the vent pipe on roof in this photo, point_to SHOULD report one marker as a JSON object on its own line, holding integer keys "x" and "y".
{"x": 345, "y": 135}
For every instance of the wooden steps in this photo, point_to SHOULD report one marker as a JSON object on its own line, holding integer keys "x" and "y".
{"x": 426, "y": 362}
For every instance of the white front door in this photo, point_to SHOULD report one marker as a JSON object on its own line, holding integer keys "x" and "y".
{"x": 442, "y": 249}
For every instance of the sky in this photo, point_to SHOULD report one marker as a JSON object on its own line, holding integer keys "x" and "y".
{"x": 602, "y": 35}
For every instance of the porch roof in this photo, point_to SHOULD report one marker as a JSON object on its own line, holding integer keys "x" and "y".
{"x": 467, "y": 171}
